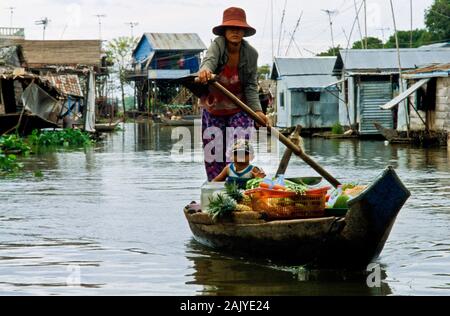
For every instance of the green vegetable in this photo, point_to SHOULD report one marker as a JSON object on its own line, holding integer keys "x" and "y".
{"x": 342, "y": 202}
{"x": 254, "y": 183}
{"x": 295, "y": 187}
{"x": 349, "y": 186}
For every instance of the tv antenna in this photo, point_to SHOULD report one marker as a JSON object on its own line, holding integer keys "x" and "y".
{"x": 100, "y": 17}
{"x": 44, "y": 22}
{"x": 281, "y": 26}
{"x": 11, "y": 12}
{"x": 294, "y": 32}
{"x": 132, "y": 26}
{"x": 383, "y": 29}
{"x": 330, "y": 14}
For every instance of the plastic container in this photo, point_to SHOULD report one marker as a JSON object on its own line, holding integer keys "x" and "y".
{"x": 288, "y": 205}
{"x": 208, "y": 190}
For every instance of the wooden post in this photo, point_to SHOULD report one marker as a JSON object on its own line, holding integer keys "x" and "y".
{"x": 2, "y": 102}
{"x": 448, "y": 142}
{"x": 295, "y": 138}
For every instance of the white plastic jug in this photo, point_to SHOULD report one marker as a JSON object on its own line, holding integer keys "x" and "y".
{"x": 208, "y": 190}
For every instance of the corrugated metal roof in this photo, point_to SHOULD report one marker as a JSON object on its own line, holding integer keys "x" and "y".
{"x": 64, "y": 53}
{"x": 442, "y": 70}
{"x": 66, "y": 84}
{"x": 303, "y": 66}
{"x": 175, "y": 41}
{"x": 360, "y": 60}
{"x": 309, "y": 81}
{"x": 437, "y": 45}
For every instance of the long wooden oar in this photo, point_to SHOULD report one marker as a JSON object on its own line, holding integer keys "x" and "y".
{"x": 286, "y": 141}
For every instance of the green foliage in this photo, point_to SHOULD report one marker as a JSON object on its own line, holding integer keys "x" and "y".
{"x": 119, "y": 52}
{"x": 65, "y": 138}
{"x": 372, "y": 43}
{"x": 14, "y": 143}
{"x": 337, "y": 129}
{"x": 8, "y": 163}
{"x": 437, "y": 20}
{"x": 221, "y": 207}
{"x": 38, "y": 174}
{"x": 332, "y": 51}
{"x": 420, "y": 37}
{"x": 264, "y": 72}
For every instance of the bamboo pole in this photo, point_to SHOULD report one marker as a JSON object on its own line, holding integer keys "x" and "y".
{"x": 295, "y": 138}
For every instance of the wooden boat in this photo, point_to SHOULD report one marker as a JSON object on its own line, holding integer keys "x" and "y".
{"x": 104, "y": 128}
{"x": 348, "y": 241}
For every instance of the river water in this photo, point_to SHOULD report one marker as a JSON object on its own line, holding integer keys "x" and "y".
{"x": 108, "y": 220}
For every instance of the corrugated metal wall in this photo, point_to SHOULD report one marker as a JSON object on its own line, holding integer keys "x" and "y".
{"x": 321, "y": 114}
{"x": 372, "y": 95}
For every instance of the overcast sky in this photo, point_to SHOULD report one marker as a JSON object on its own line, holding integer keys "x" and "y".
{"x": 74, "y": 19}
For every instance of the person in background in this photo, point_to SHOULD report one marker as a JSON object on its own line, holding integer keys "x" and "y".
{"x": 234, "y": 62}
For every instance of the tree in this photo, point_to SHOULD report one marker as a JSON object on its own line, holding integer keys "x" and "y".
{"x": 372, "y": 43}
{"x": 119, "y": 52}
{"x": 332, "y": 51}
{"x": 264, "y": 72}
{"x": 420, "y": 37}
{"x": 437, "y": 20}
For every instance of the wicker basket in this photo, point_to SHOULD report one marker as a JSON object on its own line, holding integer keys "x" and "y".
{"x": 288, "y": 205}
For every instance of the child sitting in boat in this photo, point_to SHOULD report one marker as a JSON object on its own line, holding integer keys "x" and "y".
{"x": 241, "y": 170}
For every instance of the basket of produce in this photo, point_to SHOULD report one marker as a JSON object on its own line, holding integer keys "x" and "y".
{"x": 290, "y": 201}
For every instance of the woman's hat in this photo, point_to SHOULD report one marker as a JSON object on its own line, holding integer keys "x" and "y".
{"x": 234, "y": 17}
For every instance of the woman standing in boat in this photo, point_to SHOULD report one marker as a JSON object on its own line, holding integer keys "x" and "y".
{"x": 234, "y": 63}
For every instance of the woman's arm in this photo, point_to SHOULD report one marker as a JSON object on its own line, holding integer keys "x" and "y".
{"x": 210, "y": 62}
{"x": 222, "y": 177}
{"x": 251, "y": 87}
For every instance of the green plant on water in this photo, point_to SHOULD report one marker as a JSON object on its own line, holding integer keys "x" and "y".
{"x": 8, "y": 163}
{"x": 221, "y": 207}
{"x": 337, "y": 129}
{"x": 64, "y": 138}
{"x": 14, "y": 144}
{"x": 38, "y": 174}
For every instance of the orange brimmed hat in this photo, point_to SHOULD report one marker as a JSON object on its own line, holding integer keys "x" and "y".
{"x": 234, "y": 17}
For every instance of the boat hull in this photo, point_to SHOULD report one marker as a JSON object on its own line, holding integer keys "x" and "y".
{"x": 353, "y": 241}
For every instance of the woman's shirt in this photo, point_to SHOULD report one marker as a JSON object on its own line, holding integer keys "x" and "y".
{"x": 217, "y": 58}
{"x": 216, "y": 102}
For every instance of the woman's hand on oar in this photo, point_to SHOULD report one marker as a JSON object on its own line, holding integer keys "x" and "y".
{"x": 205, "y": 76}
{"x": 264, "y": 118}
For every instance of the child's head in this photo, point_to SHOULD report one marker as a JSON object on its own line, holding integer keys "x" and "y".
{"x": 242, "y": 152}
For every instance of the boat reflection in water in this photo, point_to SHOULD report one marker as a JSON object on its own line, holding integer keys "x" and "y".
{"x": 229, "y": 276}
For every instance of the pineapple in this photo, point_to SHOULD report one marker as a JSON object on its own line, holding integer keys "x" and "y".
{"x": 243, "y": 208}
{"x": 247, "y": 200}
{"x": 234, "y": 192}
{"x": 221, "y": 206}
